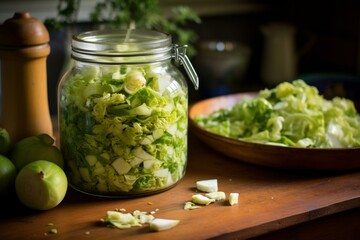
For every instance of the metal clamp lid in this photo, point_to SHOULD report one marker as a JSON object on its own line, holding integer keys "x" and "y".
{"x": 181, "y": 57}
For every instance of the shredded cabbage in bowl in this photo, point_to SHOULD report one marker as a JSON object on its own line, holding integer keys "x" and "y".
{"x": 291, "y": 114}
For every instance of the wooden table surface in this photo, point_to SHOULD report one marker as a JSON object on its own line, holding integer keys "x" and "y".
{"x": 269, "y": 200}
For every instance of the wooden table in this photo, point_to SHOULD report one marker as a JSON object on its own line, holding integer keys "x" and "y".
{"x": 273, "y": 204}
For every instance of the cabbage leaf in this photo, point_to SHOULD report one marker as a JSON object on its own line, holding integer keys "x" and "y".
{"x": 291, "y": 114}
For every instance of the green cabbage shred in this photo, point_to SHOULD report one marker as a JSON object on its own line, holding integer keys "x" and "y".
{"x": 291, "y": 114}
{"x": 123, "y": 128}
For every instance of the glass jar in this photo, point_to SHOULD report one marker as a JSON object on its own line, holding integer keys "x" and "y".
{"x": 123, "y": 109}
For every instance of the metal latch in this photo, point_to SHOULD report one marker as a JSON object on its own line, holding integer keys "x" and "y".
{"x": 181, "y": 57}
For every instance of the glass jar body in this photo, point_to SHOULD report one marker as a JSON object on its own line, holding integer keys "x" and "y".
{"x": 123, "y": 127}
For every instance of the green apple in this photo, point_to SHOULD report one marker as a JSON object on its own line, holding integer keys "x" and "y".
{"x": 41, "y": 185}
{"x": 40, "y": 147}
{"x": 7, "y": 176}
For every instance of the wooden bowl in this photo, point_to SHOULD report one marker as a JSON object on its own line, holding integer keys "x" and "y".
{"x": 269, "y": 155}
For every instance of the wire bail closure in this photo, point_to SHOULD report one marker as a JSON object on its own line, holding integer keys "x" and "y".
{"x": 181, "y": 58}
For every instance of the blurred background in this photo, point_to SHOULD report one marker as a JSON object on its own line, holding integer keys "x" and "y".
{"x": 242, "y": 45}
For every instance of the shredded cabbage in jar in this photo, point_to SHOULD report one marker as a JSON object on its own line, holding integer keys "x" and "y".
{"x": 291, "y": 114}
{"x": 123, "y": 129}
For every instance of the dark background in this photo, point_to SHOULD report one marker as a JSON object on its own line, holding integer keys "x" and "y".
{"x": 333, "y": 24}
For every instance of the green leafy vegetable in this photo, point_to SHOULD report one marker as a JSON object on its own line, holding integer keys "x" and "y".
{"x": 123, "y": 129}
{"x": 292, "y": 114}
{"x": 124, "y": 220}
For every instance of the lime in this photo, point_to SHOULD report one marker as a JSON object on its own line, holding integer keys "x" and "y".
{"x": 7, "y": 175}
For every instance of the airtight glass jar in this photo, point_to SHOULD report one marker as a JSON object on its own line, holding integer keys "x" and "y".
{"x": 122, "y": 109}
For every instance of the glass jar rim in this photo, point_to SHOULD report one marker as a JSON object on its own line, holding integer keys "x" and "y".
{"x": 124, "y": 42}
{"x": 142, "y": 47}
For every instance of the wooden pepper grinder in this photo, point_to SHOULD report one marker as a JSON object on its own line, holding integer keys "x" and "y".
{"x": 23, "y": 51}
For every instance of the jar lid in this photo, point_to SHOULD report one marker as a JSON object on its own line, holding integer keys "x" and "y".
{"x": 132, "y": 46}
{"x": 23, "y": 30}
{"x": 121, "y": 41}
{"x": 122, "y": 46}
